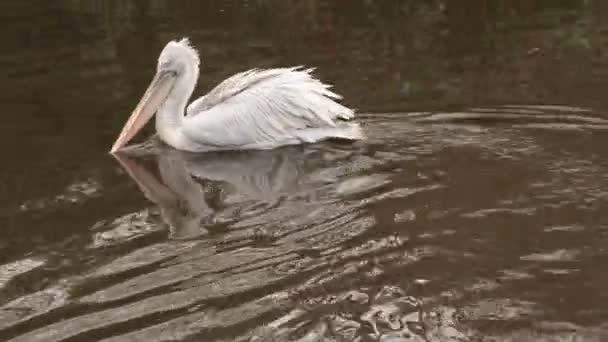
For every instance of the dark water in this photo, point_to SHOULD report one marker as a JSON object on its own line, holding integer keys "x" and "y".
{"x": 474, "y": 211}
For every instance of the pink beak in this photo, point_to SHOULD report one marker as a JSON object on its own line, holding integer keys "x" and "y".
{"x": 153, "y": 98}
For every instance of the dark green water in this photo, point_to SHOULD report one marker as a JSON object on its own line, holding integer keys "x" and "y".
{"x": 473, "y": 212}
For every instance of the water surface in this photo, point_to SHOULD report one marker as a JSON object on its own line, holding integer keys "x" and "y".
{"x": 473, "y": 211}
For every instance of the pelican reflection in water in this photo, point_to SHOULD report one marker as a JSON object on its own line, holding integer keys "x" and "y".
{"x": 255, "y": 109}
{"x": 180, "y": 187}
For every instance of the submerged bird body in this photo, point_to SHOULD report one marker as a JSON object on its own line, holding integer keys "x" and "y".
{"x": 255, "y": 109}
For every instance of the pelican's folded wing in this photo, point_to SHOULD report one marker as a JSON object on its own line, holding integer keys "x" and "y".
{"x": 263, "y": 107}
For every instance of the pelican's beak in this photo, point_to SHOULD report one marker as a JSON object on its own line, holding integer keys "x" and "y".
{"x": 153, "y": 98}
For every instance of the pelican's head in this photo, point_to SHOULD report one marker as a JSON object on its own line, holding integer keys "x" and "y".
{"x": 177, "y": 58}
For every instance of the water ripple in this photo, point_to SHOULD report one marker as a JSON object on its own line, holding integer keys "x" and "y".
{"x": 437, "y": 226}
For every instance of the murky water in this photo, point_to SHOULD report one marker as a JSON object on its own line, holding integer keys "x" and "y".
{"x": 473, "y": 212}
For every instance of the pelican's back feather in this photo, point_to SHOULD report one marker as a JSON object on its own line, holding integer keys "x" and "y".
{"x": 260, "y": 108}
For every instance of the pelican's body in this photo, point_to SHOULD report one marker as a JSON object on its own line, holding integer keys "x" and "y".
{"x": 256, "y": 109}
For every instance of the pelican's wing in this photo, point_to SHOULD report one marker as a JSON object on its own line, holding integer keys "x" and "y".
{"x": 228, "y": 88}
{"x": 238, "y": 83}
{"x": 260, "y": 107}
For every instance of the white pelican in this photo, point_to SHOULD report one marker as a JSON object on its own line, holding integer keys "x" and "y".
{"x": 255, "y": 109}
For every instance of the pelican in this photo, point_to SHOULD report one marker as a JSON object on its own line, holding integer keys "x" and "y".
{"x": 255, "y": 109}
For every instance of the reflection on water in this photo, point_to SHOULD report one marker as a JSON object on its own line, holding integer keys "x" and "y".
{"x": 378, "y": 239}
{"x": 467, "y": 215}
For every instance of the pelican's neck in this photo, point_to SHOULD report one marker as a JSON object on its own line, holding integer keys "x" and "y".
{"x": 170, "y": 116}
